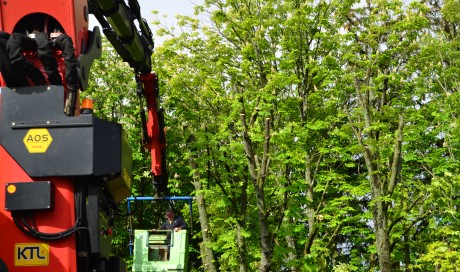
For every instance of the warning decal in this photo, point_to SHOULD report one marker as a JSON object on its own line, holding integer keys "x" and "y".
{"x": 37, "y": 140}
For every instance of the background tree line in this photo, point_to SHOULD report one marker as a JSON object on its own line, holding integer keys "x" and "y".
{"x": 315, "y": 135}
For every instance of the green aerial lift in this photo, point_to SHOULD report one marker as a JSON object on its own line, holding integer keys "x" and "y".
{"x": 160, "y": 250}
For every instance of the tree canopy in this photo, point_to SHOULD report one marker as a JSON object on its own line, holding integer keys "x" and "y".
{"x": 315, "y": 135}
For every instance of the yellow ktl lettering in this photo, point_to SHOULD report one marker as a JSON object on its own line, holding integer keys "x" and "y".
{"x": 31, "y": 254}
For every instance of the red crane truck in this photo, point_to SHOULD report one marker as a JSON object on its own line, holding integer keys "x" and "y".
{"x": 62, "y": 170}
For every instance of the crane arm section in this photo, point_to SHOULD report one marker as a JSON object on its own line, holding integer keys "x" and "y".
{"x": 135, "y": 46}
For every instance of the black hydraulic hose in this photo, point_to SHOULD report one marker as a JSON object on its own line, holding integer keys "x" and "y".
{"x": 15, "y": 45}
{"x": 145, "y": 135}
{"x": 29, "y": 230}
{"x": 20, "y": 221}
{"x": 45, "y": 54}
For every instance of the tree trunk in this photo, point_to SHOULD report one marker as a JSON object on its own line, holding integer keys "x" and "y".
{"x": 258, "y": 180}
{"x": 206, "y": 251}
{"x": 381, "y": 235}
{"x": 292, "y": 255}
{"x": 265, "y": 239}
{"x": 381, "y": 186}
{"x": 241, "y": 241}
{"x": 406, "y": 252}
{"x": 380, "y": 208}
{"x": 242, "y": 249}
{"x": 310, "y": 210}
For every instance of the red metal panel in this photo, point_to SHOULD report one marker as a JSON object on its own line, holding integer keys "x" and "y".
{"x": 150, "y": 82}
{"x": 71, "y": 14}
{"x": 62, "y": 253}
{"x": 1, "y": 17}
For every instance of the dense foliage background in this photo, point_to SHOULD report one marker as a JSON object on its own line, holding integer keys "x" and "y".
{"x": 315, "y": 135}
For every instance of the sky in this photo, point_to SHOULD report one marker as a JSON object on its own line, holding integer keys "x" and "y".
{"x": 170, "y": 8}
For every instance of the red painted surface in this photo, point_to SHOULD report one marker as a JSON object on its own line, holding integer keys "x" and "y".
{"x": 69, "y": 13}
{"x": 150, "y": 82}
{"x": 62, "y": 253}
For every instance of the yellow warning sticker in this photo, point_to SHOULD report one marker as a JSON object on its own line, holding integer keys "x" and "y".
{"x": 11, "y": 189}
{"x": 37, "y": 140}
{"x": 31, "y": 254}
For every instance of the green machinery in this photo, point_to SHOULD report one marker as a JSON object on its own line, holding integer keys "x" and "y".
{"x": 161, "y": 250}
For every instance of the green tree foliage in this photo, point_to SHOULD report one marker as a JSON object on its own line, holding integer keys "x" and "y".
{"x": 315, "y": 135}
{"x": 114, "y": 92}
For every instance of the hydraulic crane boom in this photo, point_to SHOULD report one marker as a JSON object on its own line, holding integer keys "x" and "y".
{"x": 136, "y": 47}
{"x": 117, "y": 20}
{"x": 63, "y": 170}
